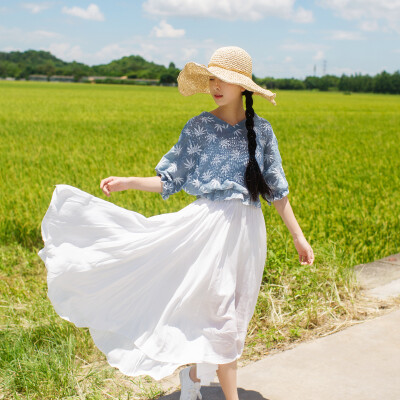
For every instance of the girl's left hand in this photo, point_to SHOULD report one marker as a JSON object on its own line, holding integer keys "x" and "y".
{"x": 306, "y": 254}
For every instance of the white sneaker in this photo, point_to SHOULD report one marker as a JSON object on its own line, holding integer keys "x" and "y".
{"x": 189, "y": 390}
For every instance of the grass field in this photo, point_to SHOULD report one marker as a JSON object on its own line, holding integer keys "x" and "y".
{"x": 341, "y": 158}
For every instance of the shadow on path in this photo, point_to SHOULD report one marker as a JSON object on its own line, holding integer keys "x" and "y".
{"x": 214, "y": 392}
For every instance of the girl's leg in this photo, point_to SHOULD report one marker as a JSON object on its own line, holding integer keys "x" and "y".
{"x": 228, "y": 380}
{"x": 226, "y": 376}
{"x": 193, "y": 373}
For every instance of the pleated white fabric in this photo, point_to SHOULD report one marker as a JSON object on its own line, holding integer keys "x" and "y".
{"x": 157, "y": 292}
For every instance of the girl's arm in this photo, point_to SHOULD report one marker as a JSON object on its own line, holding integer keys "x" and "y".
{"x": 172, "y": 170}
{"x": 306, "y": 255}
{"x": 116, "y": 184}
{"x": 285, "y": 211}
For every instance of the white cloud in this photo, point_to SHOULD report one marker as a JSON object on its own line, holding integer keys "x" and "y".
{"x": 345, "y": 35}
{"x": 8, "y": 49}
{"x": 9, "y": 32}
{"x": 367, "y": 10}
{"x": 46, "y": 34}
{"x": 65, "y": 51}
{"x": 302, "y": 46}
{"x": 250, "y": 10}
{"x": 166, "y": 30}
{"x": 369, "y": 26}
{"x": 319, "y": 55}
{"x": 288, "y": 59}
{"x": 26, "y": 38}
{"x": 161, "y": 51}
{"x": 92, "y": 12}
{"x": 339, "y": 71}
{"x": 298, "y": 31}
{"x": 111, "y": 52}
{"x": 148, "y": 49}
{"x": 303, "y": 16}
{"x": 282, "y": 70}
{"x": 189, "y": 53}
{"x": 36, "y": 8}
{"x": 179, "y": 51}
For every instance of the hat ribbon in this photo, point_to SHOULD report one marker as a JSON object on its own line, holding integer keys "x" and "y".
{"x": 229, "y": 69}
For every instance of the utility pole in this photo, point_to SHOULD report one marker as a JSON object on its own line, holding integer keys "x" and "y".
{"x": 315, "y": 69}
{"x": 324, "y": 67}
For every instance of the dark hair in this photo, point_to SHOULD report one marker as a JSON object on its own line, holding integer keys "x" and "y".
{"x": 253, "y": 177}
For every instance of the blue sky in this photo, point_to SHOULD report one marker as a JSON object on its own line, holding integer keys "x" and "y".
{"x": 285, "y": 38}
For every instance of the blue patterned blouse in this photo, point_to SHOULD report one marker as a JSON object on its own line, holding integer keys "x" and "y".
{"x": 210, "y": 159}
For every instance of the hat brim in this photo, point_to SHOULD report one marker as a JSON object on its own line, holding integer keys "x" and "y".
{"x": 194, "y": 78}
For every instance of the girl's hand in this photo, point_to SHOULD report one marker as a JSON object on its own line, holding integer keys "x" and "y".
{"x": 306, "y": 254}
{"x": 113, "y": 184}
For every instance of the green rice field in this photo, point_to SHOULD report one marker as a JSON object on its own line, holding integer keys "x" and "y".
{"x": 341, "y": 158}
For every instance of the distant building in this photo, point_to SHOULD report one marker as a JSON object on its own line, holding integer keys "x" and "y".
{"x": 62, "y": 78}
{"x": 147, "y": 81}
{"x": 93, "y": 79}
{"x": 38, "y": 78}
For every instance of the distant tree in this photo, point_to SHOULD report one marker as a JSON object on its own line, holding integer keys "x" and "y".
{"x": 312, "y": 82}
{"x": 167, "y": 77}
{"x": 396, "y": 82}
{"x": 3, "y": 69}
{"x": 9, "y": 69}
{"x": 297, "y": 84}
{"x": 344, "y": 83}
{"x": 269, "y": 83}
{"x": 382, "y": 83}
{"x": 26, "y": 71}
{"x": 328, "y": 82}
{"x": 49, "y": 68}
{"x": 148, "y": 74}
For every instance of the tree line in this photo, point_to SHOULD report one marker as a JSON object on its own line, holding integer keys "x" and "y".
{"x": 20, "y": 65}
{"x": 383, "y": 82}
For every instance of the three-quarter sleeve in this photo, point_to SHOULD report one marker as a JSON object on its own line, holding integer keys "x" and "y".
{"x": 273, "y": 171}
{"x": 176, "y": 167}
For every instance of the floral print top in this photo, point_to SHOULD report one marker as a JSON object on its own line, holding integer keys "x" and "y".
{"x": 211, "y": 156}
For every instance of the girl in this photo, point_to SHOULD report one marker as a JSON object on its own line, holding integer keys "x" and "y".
{"x": 177, "y": 288}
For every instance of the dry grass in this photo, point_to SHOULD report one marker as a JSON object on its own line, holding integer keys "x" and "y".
{"x": 358, "y": 307}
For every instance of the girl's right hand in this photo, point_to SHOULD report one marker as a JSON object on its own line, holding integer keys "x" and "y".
{"x": 113, "y": 184}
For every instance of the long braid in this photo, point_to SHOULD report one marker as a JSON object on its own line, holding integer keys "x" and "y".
{"x": 254, "y": 179}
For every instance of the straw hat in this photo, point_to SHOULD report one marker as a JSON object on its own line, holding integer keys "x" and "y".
{"x": 230, "y": 64}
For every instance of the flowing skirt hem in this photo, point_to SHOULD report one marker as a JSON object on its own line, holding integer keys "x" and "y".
{"x": 160, "y": 292}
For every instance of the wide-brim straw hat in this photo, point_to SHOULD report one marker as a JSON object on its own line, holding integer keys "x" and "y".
{"x": 230, "y": 64}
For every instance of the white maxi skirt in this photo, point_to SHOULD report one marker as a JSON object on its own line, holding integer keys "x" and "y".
{"x": 160, "y": 292}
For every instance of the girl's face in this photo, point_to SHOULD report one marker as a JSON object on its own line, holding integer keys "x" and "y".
{"x": 224, "y": 93}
